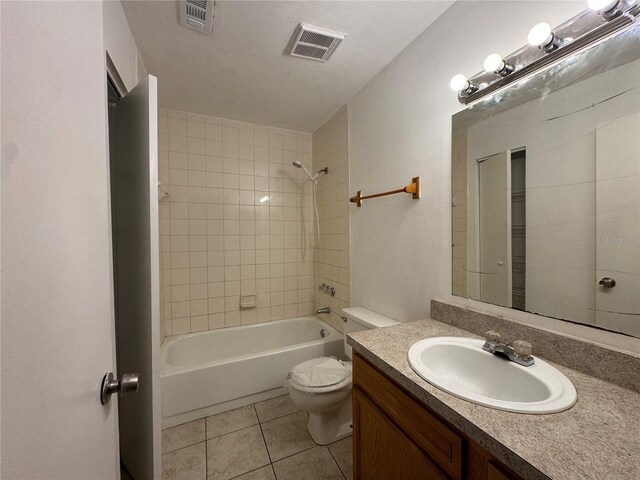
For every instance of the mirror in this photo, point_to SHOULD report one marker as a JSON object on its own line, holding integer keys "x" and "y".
{"x": 546, "y": 191}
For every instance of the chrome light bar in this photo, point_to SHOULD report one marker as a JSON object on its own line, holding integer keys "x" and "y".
{"x": 585, "y": 30}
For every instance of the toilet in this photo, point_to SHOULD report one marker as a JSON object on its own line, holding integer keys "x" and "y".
{"x": 322, "y": 386}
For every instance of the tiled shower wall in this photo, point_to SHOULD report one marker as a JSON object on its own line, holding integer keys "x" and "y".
{"x": 234, "y": 222}
{"x": 459, "y": 211}
{"x": 331, "y": 258}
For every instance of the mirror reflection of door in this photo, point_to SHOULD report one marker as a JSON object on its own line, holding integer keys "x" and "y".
{"x": 618, "y": 225}
{"x": 494, "y": 212}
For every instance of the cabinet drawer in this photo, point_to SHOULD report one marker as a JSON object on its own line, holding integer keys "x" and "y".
{"x": 437, "y": 440}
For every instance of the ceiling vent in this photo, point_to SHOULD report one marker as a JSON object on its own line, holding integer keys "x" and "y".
{"x": 197, "y": 15}
{"x": 314, "y": 43}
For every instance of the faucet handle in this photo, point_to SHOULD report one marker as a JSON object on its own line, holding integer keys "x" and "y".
{"x": 522, "y": 348}
{"x": 493, "y": 336}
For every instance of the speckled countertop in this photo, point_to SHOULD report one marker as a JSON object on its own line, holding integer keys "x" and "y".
{"x": 599, "y": 438}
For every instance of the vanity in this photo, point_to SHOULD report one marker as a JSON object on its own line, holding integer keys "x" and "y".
{"x": 396, "y": 436}
{"x": 406, "y": 428}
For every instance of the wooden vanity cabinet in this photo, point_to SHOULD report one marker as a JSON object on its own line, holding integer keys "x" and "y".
{"x": 395, "y": 437}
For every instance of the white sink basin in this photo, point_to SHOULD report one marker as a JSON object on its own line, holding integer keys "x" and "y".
{"x": 460, "y": 367}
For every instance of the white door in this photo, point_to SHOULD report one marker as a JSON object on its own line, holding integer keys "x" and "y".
{"x": 493, "y": 178}
{"x": 618, "y": 225}
{"x": 57, "y": 288}
{"x": 134, "y": 204}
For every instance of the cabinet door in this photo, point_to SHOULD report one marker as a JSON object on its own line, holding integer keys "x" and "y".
{"x": 493, "y": 473}
{"x": 382, "y": 450}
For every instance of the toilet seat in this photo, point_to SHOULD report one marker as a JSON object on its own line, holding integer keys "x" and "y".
{"x": 320, "y": 375}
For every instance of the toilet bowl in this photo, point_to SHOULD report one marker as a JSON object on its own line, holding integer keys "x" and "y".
{"x": 322, "y": 386}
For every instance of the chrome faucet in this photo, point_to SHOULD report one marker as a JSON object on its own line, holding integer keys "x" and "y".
{"x": 323, "y": 310}
{"x": 519, "y": 351}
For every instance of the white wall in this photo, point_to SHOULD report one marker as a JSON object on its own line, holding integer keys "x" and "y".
{"x": 57, "y": 314}
{"x": 400, "y": 127}
{"x": 119, "y": 42}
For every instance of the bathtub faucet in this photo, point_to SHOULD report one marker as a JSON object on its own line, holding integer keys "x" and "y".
{"x": 323, "y": 310}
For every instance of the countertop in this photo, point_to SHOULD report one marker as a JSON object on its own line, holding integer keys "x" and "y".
{"x": 598, "y": 438}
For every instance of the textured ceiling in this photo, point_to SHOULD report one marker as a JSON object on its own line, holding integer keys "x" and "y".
{"x": 241, "y": 71}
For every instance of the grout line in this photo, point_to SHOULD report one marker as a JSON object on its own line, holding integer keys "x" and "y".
{"x": 255, "y": 469}
{"x": 315, "y": 445}
{"x": 233, "y": 431}
{"x": 186, "y": 446}
{"x": 335, "y": 461}
{"x": 281, "y": 416}
{"x": 263, "y": 437}
{"x": 206, "y": 451}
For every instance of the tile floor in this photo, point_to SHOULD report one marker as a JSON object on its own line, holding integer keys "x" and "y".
{"x": 264, "y": 441}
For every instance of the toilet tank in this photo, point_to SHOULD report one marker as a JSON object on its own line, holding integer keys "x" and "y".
{"x": 359, "y": 318}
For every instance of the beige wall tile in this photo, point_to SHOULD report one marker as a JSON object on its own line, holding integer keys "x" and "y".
{"x": 233, "y": 224}
{"x": 331, "y": 255}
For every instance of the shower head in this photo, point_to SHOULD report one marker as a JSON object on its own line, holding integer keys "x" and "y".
{"x": 298, "y": 164}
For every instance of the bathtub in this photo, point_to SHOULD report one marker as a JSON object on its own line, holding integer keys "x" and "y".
{"x": 210, "y": 372}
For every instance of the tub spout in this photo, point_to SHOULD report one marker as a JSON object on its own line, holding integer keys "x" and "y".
{"x": 323, "y": 310}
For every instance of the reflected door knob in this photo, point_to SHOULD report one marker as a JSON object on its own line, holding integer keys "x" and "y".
{"x": 128, "y": 384}
{"x": 607, "y": 282}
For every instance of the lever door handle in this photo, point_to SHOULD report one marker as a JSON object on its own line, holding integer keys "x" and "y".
{"x": 129, "y": 384}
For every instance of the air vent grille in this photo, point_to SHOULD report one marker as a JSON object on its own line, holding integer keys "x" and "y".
{"x": 314, "y": 43}
{"x": 198, "y": 3}
{"x": 197, "y": 15}
{"x": 316, "y": 39}
{"x": 309, "y": 51}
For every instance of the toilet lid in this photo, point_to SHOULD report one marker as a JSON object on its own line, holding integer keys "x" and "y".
{"x": 319, "y": 372}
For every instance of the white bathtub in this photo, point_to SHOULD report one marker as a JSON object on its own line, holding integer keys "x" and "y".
{"x": 210, "y": 372}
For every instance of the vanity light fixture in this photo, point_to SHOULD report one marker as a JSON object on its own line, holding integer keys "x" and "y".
{"x": 603, "y": 19}
{"x": 459, "y": 83}
{"x": 496, "y": 64}
{"x": 608, "y": 9}
{"x": 542, "y": 36}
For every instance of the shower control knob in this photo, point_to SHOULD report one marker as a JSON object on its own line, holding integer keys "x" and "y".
{"x": 607, "y": 282}
{"x": 129, "y": 384}
{"x": 332, "y": 291}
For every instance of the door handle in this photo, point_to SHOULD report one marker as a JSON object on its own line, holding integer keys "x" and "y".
{"x": 129, "y": 384}
{"x": 607, "y": 282}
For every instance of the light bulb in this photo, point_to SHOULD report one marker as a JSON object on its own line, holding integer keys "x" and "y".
{"x": 599, "y": 5}
{"x": 459, "y": 82}
{"x": 540, "y": 35}
{"x": 494, "y": 63}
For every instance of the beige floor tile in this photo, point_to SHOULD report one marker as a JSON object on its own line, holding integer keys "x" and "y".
{"x": 264, "y": 473}
{"x": 236, "y": 453}
{"x": 314, "y": 464}
{"x": 342, "y": 452}
{"x": 183, "y": 435}
{"x": 287, "y": 435}
{"x": 185, "y": 464}
{"x": 275, "y": 408}
{"x": 231, "y": 421}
